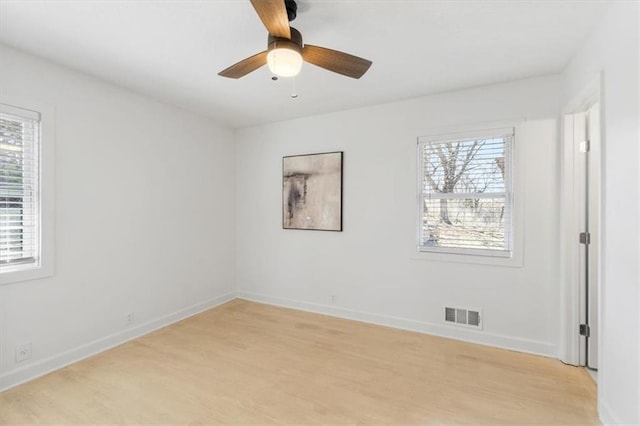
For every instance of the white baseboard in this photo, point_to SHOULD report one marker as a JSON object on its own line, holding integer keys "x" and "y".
{"x": 31, "y": 371}
{"x": 472, "y": 336}
{"x": 606, "y": 415}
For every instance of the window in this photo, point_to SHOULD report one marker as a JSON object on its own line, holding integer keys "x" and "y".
{"x": 25, "y": 216}
{"x": 19, "y": 185}
{"x": 465, "y": 193}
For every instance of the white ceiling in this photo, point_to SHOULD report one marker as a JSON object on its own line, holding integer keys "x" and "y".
{"x": 173, "y": 50}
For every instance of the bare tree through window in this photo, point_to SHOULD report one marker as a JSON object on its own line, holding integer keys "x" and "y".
{"x": 466, "y": 193}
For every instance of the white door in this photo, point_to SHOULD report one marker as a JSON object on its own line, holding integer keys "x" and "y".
{"x": 592, "y": 219}
{"x": 581, "y": 227}
{"x": 586, "y": 137}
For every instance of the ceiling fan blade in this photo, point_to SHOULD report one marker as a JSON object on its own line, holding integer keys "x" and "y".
{"x": 333, "y": 60}
{"x": 245, "y": 66}
{"x": 273, "y": 14}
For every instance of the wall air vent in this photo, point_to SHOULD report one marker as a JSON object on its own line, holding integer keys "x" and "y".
{"x": 463, "y": 316}
{"x": 449, "y": 314}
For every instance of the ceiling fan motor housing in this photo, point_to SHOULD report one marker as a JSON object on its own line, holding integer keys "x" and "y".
{"x": 295, "y": 43}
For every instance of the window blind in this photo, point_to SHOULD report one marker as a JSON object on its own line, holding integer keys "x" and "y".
{"x": 465, "y": 193}
{"x": 19, "y": 187}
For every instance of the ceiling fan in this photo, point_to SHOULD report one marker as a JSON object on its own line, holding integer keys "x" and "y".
{"x": 285, "y": 51}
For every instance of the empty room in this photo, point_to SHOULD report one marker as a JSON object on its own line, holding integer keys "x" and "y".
{"x": 319, "y": 212}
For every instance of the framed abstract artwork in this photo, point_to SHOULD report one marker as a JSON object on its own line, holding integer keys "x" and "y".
{"x": 312, "y": 191}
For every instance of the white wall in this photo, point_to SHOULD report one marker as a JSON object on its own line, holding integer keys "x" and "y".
{"x": 613, "y": 51}
{"x": 144, "y": 219}
{"x": 371, "y": 266}
{"x": 126, "y": 166}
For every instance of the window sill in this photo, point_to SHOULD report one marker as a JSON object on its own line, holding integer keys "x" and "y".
{"x": 514, "y": 261}
{"x": 26, "y": 273}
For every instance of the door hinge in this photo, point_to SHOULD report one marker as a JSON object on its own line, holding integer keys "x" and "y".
{"x": 585, "y": 330}
{"x": 585, "y": 146}
{"x": 585, "y": 238}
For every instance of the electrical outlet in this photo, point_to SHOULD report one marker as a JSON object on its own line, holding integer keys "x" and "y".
{"x": 23, "y": 352}
{"x": 131, "y": 318}
{"x": 334, "y": 299}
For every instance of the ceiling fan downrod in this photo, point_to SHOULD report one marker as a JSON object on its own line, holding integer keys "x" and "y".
{"x": 292, "y": 9}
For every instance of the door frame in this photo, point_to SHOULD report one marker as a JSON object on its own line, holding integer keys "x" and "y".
{"x": 572, "y": 296}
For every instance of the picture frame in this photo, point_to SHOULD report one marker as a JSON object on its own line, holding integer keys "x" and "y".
{"x": 312, "y": 191}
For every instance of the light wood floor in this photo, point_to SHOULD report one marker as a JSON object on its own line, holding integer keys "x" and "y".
{"x": 247, "y": 363}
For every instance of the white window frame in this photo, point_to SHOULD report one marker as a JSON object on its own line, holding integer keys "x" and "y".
{"x": 477, "y": 256}
{"x": 44, "y": 267}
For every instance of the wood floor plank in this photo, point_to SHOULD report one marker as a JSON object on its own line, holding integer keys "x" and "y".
{"x": 250, "y": 363}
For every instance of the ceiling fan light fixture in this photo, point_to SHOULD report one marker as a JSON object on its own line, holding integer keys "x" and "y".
{"x": 285, "y": 50}
{"x": 284, "y": 61}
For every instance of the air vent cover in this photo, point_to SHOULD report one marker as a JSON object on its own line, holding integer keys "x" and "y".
{"x": 473, "y": 318}
{"x": 466, "y": 317}
{"x": 450, "y": 314}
